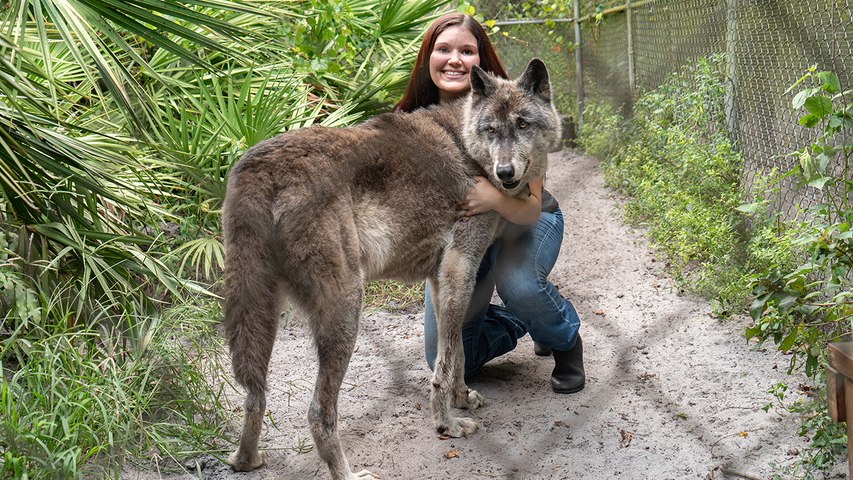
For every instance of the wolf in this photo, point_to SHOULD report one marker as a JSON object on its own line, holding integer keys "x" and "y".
{"x": 313, "y": 214}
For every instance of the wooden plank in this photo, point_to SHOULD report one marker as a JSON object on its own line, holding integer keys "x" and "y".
{"x": 841, "y": 358}
{"x": 840, "y": 390}
{"x": 835, "y": 395}
{"x": 848, "y": 393}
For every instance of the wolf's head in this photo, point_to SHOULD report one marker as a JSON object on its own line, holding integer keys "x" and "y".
{"x": 511, "y": 125}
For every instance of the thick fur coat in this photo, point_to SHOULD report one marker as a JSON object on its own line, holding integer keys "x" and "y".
{"x": 313, "y": 214}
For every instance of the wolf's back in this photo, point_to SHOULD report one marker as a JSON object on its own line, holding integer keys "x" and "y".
{"x": 401, "y": 174}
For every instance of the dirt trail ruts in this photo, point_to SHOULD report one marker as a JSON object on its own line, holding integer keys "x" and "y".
{"x": 671, "y": 392}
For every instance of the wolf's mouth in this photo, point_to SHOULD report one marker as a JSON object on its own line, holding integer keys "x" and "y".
{"x": 510, "y": 185}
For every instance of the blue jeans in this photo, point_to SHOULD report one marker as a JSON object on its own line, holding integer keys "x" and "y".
{"x": 517, "y": 264}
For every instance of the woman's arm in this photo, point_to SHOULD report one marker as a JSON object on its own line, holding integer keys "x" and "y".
{"x": 483, "y": 196}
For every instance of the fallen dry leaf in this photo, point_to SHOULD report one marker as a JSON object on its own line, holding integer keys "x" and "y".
{"x": 444, "y": 436}
{"x": 743, "y": 434}
{"x": 626, "y": 437}
{"x": 598, "y": 312}
{"x": 451, "y": 454}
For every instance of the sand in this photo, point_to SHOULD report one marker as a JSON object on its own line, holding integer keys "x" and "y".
{"x": 672, "y": 392}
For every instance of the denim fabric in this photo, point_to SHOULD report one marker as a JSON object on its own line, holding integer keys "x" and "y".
{"x": 517, "y": 265}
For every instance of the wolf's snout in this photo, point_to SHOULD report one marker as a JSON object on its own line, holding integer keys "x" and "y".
{"x": 505, "y": 172}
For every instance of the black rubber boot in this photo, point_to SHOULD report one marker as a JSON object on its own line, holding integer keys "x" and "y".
{"x": 568, "y": 375}
{"x": 541, "y": 350}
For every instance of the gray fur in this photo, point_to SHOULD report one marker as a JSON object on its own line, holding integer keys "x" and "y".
{"x": 314, "y": 214}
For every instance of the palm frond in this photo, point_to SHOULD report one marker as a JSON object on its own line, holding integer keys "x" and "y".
{"x": 99, "y": 36}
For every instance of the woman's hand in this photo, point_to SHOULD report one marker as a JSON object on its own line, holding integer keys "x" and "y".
{"x": 481, "y": 198}
{"x": 484, "y": 196}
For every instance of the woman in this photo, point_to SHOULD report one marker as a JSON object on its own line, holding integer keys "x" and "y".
{"x": 518, "y": 263}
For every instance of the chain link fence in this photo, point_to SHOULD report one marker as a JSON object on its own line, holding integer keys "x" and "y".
{"x": 768, "y": 45}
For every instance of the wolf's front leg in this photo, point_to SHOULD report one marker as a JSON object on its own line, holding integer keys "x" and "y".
{"x": 440, "y": 401}
{"x": 463, "y": 397}
{"x": 454, "y": 286}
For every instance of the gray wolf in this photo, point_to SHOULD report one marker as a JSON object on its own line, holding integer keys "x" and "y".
{"x": 313, "y": 214}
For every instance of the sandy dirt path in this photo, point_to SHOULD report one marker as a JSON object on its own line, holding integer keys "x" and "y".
{"x": 671, "y": 393}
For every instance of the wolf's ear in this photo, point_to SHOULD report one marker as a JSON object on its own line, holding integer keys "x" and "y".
{"x": 481, "y": 82}
{"x": 535, "y": 79}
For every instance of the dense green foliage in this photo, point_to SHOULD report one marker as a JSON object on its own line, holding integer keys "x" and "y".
{"x": 681, "y": 173}
{"x": 517, "y": 44}
{"x": 120, "y": 121}
{"x": 801, "y": 305}
{"x": 551, "y": 39}
{"x": 806, "y": 301}
{"x": 681, "y": 176}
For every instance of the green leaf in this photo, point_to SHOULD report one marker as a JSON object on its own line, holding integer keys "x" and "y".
{"x": 819, "y": 105}
{"x": 756, "y": 310}
{"x": 823, "y": 159}
{"x": 788, "y": 341}
{"x": 809, "y": 120}
{"x": 748, "y": 207}
{"x": 819, "y": 183}
{"x": 806, "y": 163}
{"x": 751, "y": 332}
{"x": 801, "y": 97}
{"x": 811, "y": 365}
{"x": 840, "y": 120}
{"x": 787, "y": 301}
{"x": 830, "y": 81}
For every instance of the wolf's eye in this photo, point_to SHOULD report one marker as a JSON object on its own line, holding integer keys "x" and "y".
{"x": 522, "y": 124}
{"x": 490, "y": 130}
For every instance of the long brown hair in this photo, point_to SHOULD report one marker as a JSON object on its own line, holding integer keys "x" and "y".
{"x": 421, "y": 91}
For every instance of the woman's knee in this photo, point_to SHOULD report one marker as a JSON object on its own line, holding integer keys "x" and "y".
{"x": 524, "y": 292}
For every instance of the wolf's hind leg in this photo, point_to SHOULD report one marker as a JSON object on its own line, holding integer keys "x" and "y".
{"x": 335, "y": 327}
{"x": 247, "y": 456}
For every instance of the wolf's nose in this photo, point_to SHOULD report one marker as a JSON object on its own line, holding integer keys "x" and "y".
{"x": 505, "y": 172}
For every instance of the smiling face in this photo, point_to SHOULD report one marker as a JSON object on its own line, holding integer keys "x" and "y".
{"x": 453, "y": 55}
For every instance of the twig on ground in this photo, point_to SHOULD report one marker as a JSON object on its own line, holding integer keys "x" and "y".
{"x": 726, "y": 471}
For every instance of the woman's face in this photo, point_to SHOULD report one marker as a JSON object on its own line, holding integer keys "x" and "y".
{"x": 453, "y": 55}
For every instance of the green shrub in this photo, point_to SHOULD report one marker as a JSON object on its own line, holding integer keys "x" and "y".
{"x": 805, "y": 301}
{"x": 681, "y": 175}
{"x": 603, "y": 133}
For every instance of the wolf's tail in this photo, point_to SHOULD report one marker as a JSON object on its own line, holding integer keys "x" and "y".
{"x": 252, "y": 298}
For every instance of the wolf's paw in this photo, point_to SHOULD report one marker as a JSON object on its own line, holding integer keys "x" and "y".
{"x": 458, "y": 427}
{"x": 244, "y": 462}
{"x": 468, "y": 399}
{"x": 365, "y": 475}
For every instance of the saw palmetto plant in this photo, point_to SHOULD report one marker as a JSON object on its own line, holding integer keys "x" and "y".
{"x": 119, "y": 120}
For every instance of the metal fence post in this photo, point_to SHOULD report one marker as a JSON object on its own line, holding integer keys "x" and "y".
{"x": 631, "y": 78}
{"x": 578, "y": 66}
{"x": 731, "y": 67}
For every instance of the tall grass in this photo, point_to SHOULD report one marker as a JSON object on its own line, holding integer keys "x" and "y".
{"x": 79, "y": 400}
